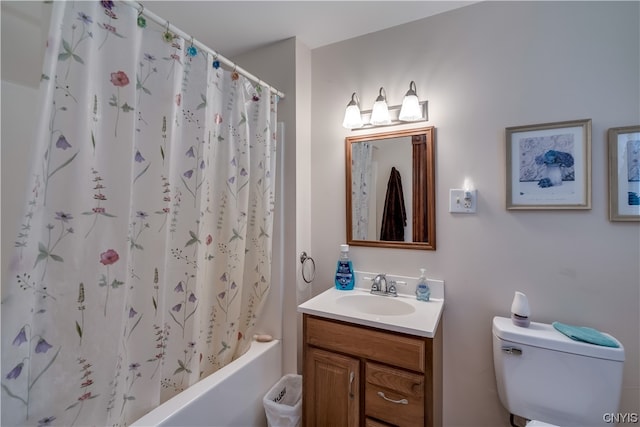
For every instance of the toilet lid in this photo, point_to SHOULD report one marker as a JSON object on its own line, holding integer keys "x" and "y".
{"x": 534, "y": 423}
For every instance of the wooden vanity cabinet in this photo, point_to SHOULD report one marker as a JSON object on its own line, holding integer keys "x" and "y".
{"x": 335, "y": 380}
{"x": 358, "y": 376}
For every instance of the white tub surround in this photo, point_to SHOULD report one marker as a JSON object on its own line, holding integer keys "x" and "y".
{"x": 403, "y": 313}
{"x": 230, "y": 397}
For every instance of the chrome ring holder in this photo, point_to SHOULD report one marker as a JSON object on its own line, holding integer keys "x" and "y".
{"x": 303, "y": 260}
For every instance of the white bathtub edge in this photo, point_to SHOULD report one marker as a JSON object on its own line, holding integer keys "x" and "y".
{"x": 170, "y": 413}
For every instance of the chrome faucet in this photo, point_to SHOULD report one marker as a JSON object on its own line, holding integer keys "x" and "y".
{"x": 381, "y": 287}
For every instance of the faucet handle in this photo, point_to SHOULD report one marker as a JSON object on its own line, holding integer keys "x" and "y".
{"x": 375, "y": 286}
{"x": 392, "y": 289}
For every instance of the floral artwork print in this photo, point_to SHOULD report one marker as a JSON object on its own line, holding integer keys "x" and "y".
{"x": 633, "y": 171}
{"x": 539, "y": 152}
{"x": 548, "y": 166}
{"x": 143, "y": 258}
{"x": 554, "y": 160}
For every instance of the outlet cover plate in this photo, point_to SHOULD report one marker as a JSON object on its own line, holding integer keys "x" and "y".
{"x": 457, "y": 202}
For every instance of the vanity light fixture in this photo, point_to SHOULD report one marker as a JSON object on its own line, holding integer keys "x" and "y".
{"x": 352, "y": 117}
{"x": 380, "y": 112}
{"x": 412, "y": 110}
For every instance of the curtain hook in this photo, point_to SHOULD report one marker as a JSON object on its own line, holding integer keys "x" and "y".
{"x": 142, "y": 23}
{"x": 215, "y": 63}
{"x": 167, "y": 36}
{"x": 191, "y": 50}
{"x": 235, "y": 75}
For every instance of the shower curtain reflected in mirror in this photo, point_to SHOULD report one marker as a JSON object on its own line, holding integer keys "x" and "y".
{"x": 144, "y": 254}
{"x": 361, "y": 189}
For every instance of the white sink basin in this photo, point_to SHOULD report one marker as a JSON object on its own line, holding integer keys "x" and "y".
{"x": 404, "y": 313}
{"x": 376, "y": 304}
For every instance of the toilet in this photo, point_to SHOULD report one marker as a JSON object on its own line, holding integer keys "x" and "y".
{"x": 546, "y": 377}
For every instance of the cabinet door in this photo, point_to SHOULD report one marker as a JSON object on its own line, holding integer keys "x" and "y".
{"x": 331, "y": 389}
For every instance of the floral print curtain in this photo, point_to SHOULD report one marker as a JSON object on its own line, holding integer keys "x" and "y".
{"x": 144, "y": 255}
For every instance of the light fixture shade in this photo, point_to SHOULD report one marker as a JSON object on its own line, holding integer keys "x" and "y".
{"x": 380, "y": 112}
{"x": 410, "y": 111}
{"x": 352, "y": 117}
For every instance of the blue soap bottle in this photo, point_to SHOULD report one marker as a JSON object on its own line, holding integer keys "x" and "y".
{"x": 423, "y": 293}
{"x": 345, "y": 279}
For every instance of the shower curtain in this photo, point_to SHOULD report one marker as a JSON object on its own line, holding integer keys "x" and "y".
{"x": 144, "y": 255}
{"x": 361, "y": 188}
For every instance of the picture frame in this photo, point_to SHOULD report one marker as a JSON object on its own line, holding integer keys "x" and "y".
{"x": 624, "y": 173}
{"x": 549, "y": 166}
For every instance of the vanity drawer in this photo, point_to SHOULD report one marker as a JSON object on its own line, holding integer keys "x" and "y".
{"x": 394, "y": 396}
{"x": 387, "y": 347}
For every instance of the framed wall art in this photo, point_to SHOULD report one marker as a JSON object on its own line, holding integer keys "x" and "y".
{"x": 624, "y": 173}
{"x": 549, "y": 166}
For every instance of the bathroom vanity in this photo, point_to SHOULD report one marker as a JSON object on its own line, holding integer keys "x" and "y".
{"x": 372, "y": 360}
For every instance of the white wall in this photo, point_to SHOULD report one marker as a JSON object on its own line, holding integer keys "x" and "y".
{"x": 28, "y": 23}
{"x": 483, "y": 68}
{"x": 18, "y": 115}
{"x": 21, "y": 70}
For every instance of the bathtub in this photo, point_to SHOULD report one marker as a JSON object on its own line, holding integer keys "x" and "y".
{"x": 231, "y": 396}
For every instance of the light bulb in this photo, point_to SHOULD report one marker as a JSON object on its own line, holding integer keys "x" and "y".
{"x": 410, "y": 111}
{"x": 380, "y": 112}
{"x": 352, "y": 118}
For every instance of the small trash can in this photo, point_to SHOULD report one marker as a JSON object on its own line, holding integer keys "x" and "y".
{"x": 283, "y": 402}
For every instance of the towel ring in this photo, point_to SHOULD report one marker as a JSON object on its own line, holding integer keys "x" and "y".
{"x": 303, "y": 260}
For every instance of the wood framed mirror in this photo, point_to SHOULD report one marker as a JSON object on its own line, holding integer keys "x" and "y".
{"x": 390, "y": 189}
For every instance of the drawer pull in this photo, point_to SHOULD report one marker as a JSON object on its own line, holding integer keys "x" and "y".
{"x": 401, "y": 401}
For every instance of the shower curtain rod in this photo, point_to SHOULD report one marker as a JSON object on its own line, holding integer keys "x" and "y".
{"x": 163, "y": 22}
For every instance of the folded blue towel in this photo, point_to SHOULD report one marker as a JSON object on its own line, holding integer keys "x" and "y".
{"x": 584, "y": 334}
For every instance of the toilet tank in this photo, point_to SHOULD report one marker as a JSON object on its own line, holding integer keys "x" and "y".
{"x": 544, "y": 375}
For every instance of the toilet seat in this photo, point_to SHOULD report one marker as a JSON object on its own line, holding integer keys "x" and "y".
{"x": 534, "y": 423}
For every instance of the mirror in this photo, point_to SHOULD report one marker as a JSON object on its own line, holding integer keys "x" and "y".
{"x": 390, "y": 189}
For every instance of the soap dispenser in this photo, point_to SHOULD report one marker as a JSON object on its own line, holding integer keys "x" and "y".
{"x": 423, "y": 293}
{"x": 344, "y": 279}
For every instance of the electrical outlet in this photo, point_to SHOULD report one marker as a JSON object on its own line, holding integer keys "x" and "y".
{"x": 461, "y": 201}
{"x": 467, "y": 202}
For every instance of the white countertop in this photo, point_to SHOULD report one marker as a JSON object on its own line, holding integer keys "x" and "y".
{"x": 423, "y": 321}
